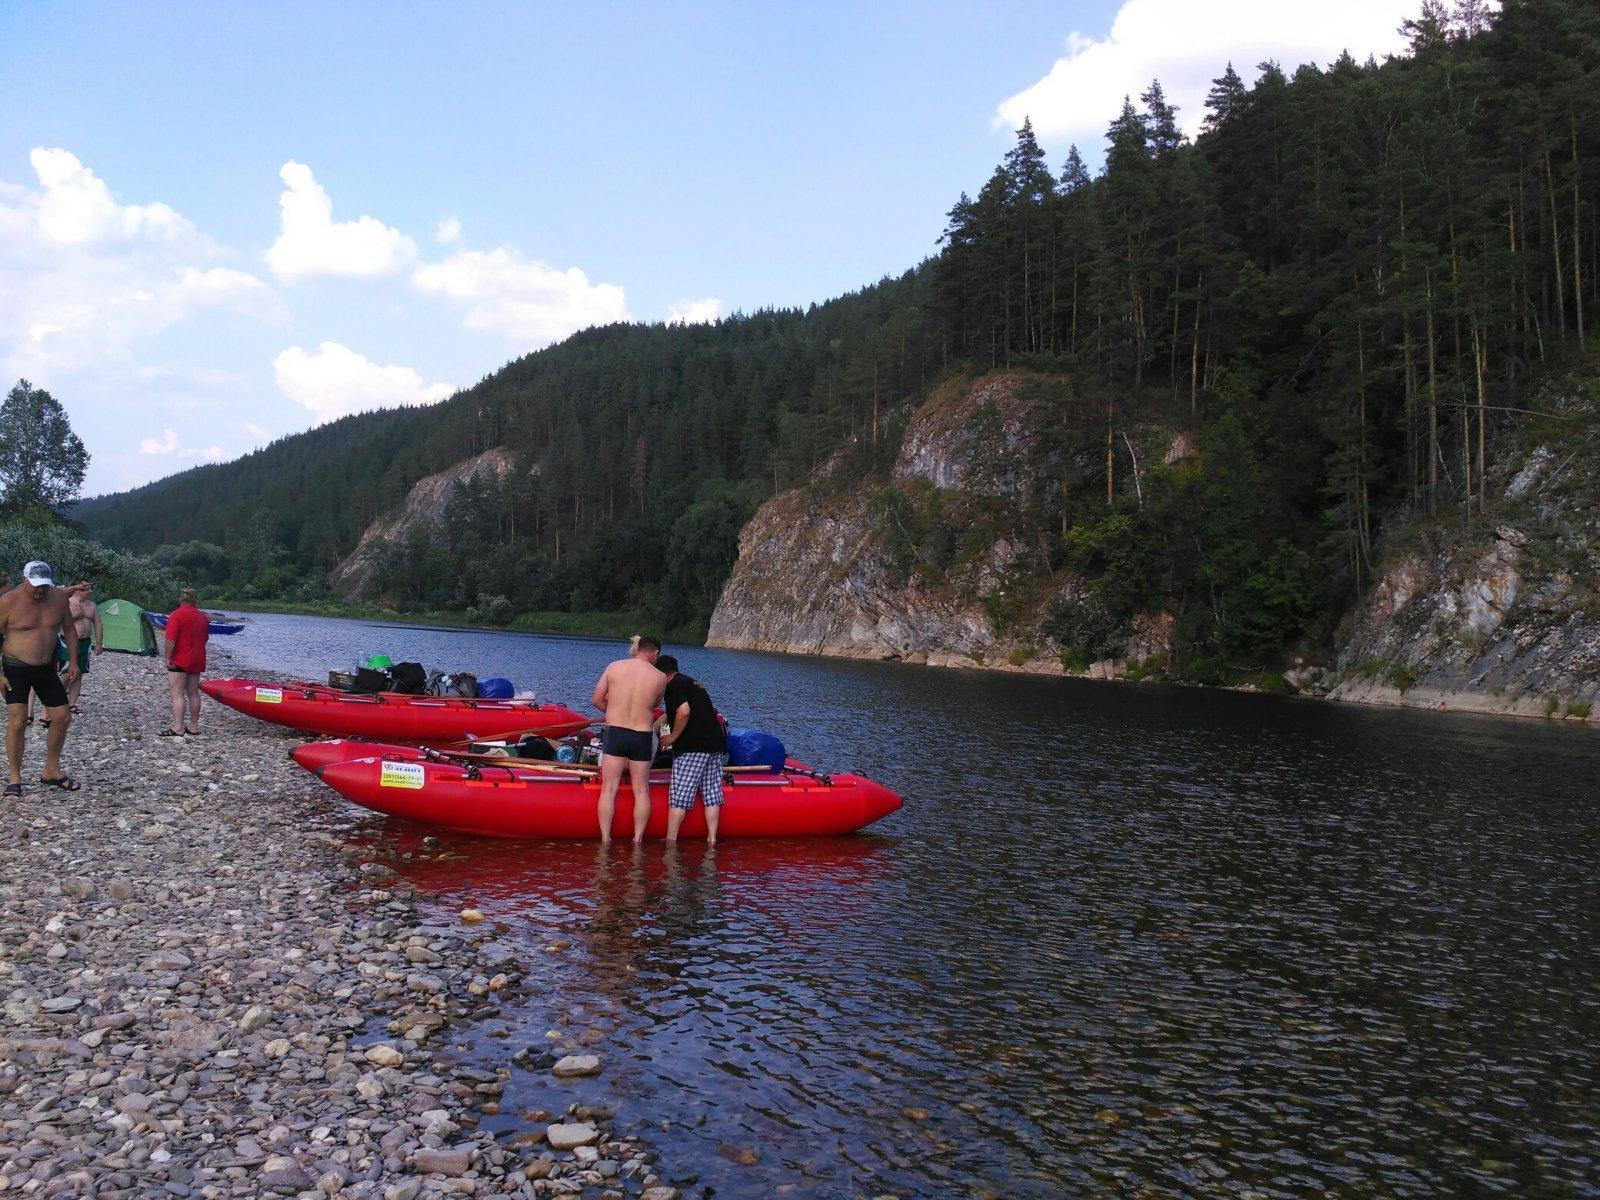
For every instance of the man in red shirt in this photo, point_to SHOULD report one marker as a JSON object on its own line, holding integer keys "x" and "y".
{"x": 185, "y": 646}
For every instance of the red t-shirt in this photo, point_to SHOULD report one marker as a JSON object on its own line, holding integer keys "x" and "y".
{"x": 187, "y": 630}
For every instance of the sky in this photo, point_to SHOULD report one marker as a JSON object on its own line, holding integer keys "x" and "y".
{"x": 223, "y": 223}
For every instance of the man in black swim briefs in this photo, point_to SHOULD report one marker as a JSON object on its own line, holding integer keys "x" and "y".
{"x": 32, "y": 615}
{"x": 628, "y": 692}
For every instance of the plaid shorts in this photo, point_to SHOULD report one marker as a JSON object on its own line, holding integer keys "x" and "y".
{"x": 697, "y": 771}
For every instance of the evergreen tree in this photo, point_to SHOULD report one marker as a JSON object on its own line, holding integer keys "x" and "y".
{"x": 42, "y": 462}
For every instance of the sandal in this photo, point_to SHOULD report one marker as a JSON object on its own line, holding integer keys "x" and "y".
{"x": 169, "y": 732}
{"x": 187, "y": 732}
{"x": 44, "y": 722}
{"x": 76, "y": 711}
{"x": 14, "y": 789}
{"x": 65, "y": 782}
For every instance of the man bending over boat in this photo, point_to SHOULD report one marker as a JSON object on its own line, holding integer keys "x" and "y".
{"x": 628, "y": 692}
{"x": 31, "y": 615}
{"x": 701, "y": 750}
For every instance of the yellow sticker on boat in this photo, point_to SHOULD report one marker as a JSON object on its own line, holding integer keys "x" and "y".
{"x": 269, "y": 695}
{"x": 401, "y": 775}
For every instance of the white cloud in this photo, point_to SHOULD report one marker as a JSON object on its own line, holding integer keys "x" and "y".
{"x": 259, "y": 433}
{"x": 694, "y": 312}
{"x": 74, "y": 206}
{"x": 1187, "y": 45}
{"x": 449, "y": 230}
{"x": 334, "y": 381}
{"x": 88, "y": 281}
{"x": 169, "y": 445}
{"x": 313, "y": 243}
{"x": 531, "y": 303}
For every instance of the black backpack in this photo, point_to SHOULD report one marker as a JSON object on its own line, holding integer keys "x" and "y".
{"x": 409, "y": 678}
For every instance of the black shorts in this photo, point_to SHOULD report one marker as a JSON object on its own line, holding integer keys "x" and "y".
{"x": 23, "y": 679}
{"x": 635, "y": 745}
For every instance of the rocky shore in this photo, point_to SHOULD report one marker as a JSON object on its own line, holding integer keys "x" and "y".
{"x": 207, "y": 993}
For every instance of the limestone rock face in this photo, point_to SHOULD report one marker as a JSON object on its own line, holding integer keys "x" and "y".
{"x": 816, "y": 572}
{"x": 425, "y": 503}
{"x": 1482, "y": 627}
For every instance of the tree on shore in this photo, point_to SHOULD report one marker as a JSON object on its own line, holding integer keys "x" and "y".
{"x": 42, "y": 462}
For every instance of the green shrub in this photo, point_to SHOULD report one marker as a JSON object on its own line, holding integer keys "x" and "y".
{"x": 1084, "y": 626}
{"x": 73, "y": 556}
{"x": 1551, "y": 706}
{"x": 1401, "y": 676}
{"x": 1578, "y": 709}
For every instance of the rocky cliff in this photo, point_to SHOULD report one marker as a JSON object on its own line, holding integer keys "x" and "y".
{"x": 1505, "y": 620}
{"x": 425, "y": 503}
{"x": 821, "y": 568}
{"x": 1494, "y": 617}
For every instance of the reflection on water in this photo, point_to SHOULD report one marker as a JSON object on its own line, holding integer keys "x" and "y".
{"x": 1128, "y": 941}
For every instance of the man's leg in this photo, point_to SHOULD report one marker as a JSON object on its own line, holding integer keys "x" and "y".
{"x": 60, "y": 718}
{"x": 676, "y": 808}
{"x": 610, "y": 778}
{"x": 16, "y": 731}
{"x": 191, "y": 690}
{"x": 175, "y": 687}
{"x": 75, "y": 688}
{"x": 711, "y": 795}
{"x": 639, "y": 773}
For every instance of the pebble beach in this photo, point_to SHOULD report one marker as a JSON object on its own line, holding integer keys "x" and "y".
{"x": 208, "y": 992}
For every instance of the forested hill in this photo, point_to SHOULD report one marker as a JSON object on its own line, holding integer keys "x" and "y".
{"x": 640, "y": 451}
{"x": 1346, "y": 294}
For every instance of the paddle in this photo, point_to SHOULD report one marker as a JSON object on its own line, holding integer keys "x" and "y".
{"x": 508, "y": 760}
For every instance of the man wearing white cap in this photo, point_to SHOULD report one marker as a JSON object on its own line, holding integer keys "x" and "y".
{"x": 32, "y": 615}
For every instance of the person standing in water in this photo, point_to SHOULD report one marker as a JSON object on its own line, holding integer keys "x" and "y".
{"x": 32, "y": 614}
{"x": 700, "y": 750}
{"x": 628, "y": 692}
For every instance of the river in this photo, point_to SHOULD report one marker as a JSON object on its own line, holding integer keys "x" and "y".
{"x": 1122, "y": 939}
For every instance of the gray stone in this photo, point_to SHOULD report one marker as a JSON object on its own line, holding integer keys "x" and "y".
{"x": 570, "y": 1137}
{"x": 254, "y": 1018}
{"x": 443, "y": 1162}
{"x": 574, "y": 1065}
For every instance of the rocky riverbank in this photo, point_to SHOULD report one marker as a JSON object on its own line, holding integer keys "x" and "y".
{"x": 207, "y": 993}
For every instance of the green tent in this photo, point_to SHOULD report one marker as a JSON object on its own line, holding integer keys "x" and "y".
{"x": 127, "y": 627}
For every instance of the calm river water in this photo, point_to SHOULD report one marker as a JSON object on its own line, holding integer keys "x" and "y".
{"x": 1122, "y": 940}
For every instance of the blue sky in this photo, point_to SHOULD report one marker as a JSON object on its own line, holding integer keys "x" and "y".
{"x": 223, "y": 223}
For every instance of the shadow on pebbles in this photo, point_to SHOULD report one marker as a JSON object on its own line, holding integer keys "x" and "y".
{"x": 206, "y": 993}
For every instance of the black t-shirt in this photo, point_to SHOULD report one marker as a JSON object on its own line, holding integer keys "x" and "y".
{"x": 703, "y": 733}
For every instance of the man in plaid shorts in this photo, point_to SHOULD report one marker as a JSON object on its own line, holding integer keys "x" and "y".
{"x": 700, "y": 750}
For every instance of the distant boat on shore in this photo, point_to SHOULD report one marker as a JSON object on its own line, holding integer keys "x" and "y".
{"x": 219, "y": 623}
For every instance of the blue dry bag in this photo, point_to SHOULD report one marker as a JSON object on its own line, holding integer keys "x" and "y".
{"x": 752, "y": 748}
{"x": 495, "y": 688}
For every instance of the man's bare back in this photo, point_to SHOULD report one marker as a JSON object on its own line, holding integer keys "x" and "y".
{"x": 628, "y": 693}
{"x": 28, "y": 626}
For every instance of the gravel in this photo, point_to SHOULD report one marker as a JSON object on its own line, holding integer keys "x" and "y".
{"x": 207, "y": 993}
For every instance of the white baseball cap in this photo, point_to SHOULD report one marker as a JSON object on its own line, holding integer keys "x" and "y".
{"x": 38, "y": 574}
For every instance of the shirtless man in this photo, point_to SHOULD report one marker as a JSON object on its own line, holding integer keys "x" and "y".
{"x": 86, "y": 620}
{"x": 628, "y": 692}
{"x": 30, "y": 616}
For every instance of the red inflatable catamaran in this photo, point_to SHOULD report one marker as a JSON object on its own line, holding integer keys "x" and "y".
{"x": 390, "y": 716}
{"x": 552, "y": 800}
